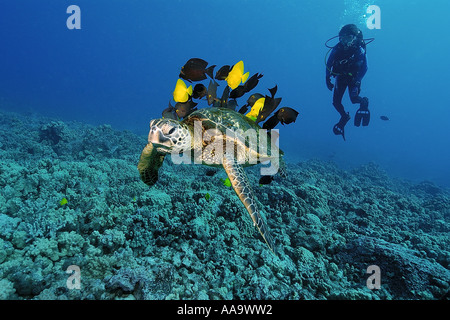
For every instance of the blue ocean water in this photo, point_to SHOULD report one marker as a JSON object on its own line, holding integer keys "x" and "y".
{"x": 71, "y": 197}
{"x": 120, "y": 68}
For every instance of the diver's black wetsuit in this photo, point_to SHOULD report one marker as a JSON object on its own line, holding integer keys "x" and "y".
{"x": 349, "y": 66}
{"x": 342, "y": 82}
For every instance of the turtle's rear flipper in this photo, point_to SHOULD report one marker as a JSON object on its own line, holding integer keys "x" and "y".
{"x": 241, "y": 185}
{"x": 149, "y": 164}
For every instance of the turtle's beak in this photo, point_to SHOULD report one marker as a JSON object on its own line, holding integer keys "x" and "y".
{"x": 157, "y": 138}
{"x": 154, "y": 135}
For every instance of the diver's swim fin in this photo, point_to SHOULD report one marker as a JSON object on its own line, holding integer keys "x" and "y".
{"x": 362, "y": 116}
{"x": 363, "y": 113}
{"x": 338, "y": 128}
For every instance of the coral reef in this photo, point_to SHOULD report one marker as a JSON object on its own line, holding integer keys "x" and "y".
{"x": 171, "y": 242}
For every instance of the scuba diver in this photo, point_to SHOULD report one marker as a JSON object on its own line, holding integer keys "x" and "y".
{"x": 348, "y": 63}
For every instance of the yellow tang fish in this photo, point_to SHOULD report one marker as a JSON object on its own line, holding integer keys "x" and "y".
{"x": 237, "y": 75}
{"x": 257, "y": 106}
{"x": 181, "y": 92}
{"x": 226, "y": 182}
{"x": 63, "y": 202}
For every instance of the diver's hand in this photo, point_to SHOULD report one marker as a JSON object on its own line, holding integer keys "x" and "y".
{"x": 330, "y": 86}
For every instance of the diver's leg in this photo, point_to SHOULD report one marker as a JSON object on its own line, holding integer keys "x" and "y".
{"x": 353, "y": 91}
{"x": 339, "y": 89}
{"x": 362, "y": 115}
{"x": 338, "y": 93}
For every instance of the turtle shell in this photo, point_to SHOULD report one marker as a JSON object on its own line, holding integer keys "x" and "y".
{"x": 225, "y": 123}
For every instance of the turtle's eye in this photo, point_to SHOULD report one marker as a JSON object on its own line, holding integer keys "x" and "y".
{"x": 171, "y": 130}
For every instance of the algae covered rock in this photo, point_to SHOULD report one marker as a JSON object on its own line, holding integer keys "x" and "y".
{"x": 404, "y": 271}
{"x": 7, "y": 290}
{"x": 54, "y": 132}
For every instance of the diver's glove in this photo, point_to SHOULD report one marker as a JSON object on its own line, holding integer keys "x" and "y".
{"x": 330, "y": 86}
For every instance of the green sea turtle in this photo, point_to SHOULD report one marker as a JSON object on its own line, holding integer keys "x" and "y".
{"x": 213, "y": 137}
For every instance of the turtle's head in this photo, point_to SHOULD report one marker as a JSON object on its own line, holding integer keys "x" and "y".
{"x": 169, "y": 136}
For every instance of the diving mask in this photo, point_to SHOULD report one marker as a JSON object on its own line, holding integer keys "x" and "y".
{"x": 347, "y": 40}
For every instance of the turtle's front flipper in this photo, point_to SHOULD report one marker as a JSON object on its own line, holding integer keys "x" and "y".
{"x": 149, "y": 164}
{"x": 241, "y": 185}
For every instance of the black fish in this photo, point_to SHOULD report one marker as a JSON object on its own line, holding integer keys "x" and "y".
{"x": 250, "y": 102}
{"x": 238, "y": 92}
{"x": 244, "y": 109}
{"x": 384, "y": 118}
{"x": 223, "y": 72}
{"x": 232, "y": 104}
{"x": 225, "y": 95}
{"x": 273, "y": 91}
{"x": 212, "y": 92}
{"x": 287, "y": 115}
{"x": 185, "y": 109}
{"x": 252, "y": 82}
{"x": 170, "y": 113}
{"x": 195, "y": 70}
{"x": 270, "y": 104}
{"x": 265, "y": 179}
{"x": 199, "y": 91}
{"x": 271, "y": 122}
{"x": 253, "y": 98}
{"x": 210, "y": 172}
{"x": 247, "y": 87}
